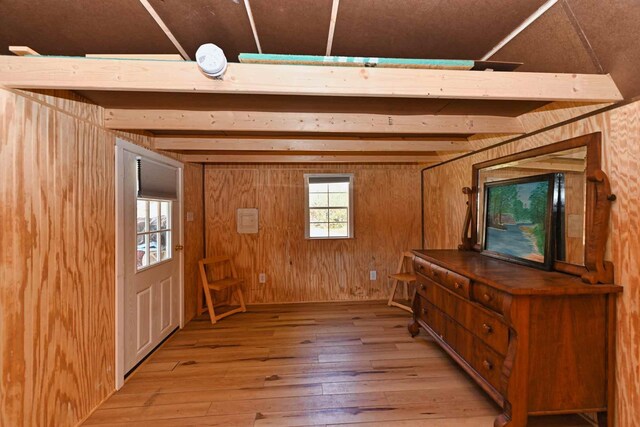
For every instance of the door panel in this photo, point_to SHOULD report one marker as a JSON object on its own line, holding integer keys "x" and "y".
{"x": 144, "y": 320}
{"x": 165, "y": 304}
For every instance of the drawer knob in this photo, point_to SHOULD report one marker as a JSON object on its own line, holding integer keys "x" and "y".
{"x": 423, "y": 287}
{"x": 424, "y": 310}
{"x": 457, "y": 285}
{"x": 488, "y": 365}
{"x": 488, "y": 329}
{"x": 487, "y": 297}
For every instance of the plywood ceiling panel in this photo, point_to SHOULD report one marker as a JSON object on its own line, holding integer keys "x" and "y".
{"x": 195, "y": 22}
{"x": 612, "y": 31}
{"x": 292, "y": 27}
{"x": 549, "y": 44}
{"x": 448, "y": 29}
{"x": 80, "y": 27}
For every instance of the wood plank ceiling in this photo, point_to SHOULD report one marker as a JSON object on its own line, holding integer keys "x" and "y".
{"x": 572, "y": 36}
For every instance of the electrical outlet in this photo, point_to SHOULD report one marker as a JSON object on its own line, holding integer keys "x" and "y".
{"x": 373, "y": 275}
{"x": 262, "y": 278}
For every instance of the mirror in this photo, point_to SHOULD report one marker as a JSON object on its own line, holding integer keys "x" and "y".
{"x": 570, "y": 165}
{"x": 584, "y": 204}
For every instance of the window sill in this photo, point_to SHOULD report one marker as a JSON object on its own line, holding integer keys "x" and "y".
{"x": 329, "y": 238}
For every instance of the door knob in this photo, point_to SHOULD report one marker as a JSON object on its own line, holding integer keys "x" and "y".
{"x": 178, "y": 247}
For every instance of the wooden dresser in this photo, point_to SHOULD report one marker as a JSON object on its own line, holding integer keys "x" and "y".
{"x": 538, "y": 342}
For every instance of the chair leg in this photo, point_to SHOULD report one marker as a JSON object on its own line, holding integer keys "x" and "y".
{"x": 241, "y": 298}
{"x": 393, "y": 292}
{"x": 212, "y": 312}
{"x": 406, "y": 290}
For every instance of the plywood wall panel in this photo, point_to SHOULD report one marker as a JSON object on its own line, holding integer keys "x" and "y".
{"x": 58, "y": 265}
{"x": 386, "y": 222}
{"x": 620, "y": 127}
{"x": 57, "y": 256}
{"x": 193, "y": 236}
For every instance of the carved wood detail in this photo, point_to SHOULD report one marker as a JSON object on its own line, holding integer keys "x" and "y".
{"x": 467, "y": 241}
{"x": 599, "y": 270}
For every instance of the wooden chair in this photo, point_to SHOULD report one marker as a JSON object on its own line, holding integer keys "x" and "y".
{"x": 232, "y": 283}
{"x": 405, "y": 275}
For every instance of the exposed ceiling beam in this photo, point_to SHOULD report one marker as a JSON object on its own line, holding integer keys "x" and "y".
{"x": 332, "y": 25}
{"x": 555, "y": 164}
{"x": 252, "y": 22}
{"x": 306, "y": 144}
{"x": 164, "y": 28}
{"x": 263, "y": 121}
{"x": 160, "y": 76}
{"x": 283, "y": 158}
{"x": 520, "y": 28}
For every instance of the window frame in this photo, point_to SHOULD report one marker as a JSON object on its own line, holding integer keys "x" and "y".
{"x": 350, "y": 224}
{"x": 158, "y": 231}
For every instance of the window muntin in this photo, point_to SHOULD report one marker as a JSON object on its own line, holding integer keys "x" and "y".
{"x": 153, "y": 232}
{"x": 329, "y": 204}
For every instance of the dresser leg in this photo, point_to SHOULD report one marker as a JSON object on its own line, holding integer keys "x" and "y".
{"x": 510, "y": 418}
{"x": 414, "y": 328}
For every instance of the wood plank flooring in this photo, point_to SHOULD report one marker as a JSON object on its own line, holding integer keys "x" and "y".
{"x": 333, "y": 364}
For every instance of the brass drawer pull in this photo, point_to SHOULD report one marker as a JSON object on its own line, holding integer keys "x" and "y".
{"x": 423, "y": 287}
{"x": 424, "y": 310}
{"x": 487, "y": 297}
{"x": 457, "y": 285}
{"x": 487, "y": 365}
{"x": 488, "y": 329}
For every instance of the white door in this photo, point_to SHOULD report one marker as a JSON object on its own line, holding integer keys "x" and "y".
{"x": 151, "y": 266}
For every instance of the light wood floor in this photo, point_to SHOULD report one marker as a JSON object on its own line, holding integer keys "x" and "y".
{"x": 302, "y": 365}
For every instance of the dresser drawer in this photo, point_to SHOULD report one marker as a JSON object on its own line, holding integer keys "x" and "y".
{"x": 480, "y": 357}
{"x": 423, "y": 267}
{"x": 481, "y": 322}
{"x": 453, "y": 281}
{"x": 490, "y": 297}
{"x": 436, "y": 320}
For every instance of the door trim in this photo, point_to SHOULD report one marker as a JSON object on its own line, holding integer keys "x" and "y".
{"x": 120, "y": 147}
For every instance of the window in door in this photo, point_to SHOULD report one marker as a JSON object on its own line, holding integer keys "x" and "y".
{"x": 329, "y": 206}
{"x": 153, "y": 232}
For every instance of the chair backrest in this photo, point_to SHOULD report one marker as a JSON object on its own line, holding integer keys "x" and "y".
{"x": 403, "y": 265}
{"x": 215, "y": 261}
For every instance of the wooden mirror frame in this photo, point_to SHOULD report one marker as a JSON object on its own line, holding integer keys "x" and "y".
{"x": 597, "y": 207}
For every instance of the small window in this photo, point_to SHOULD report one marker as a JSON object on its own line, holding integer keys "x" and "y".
{"x": 153, "y": 234}
{"x": 329, "y": 206}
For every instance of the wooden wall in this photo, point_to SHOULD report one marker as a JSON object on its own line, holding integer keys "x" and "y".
{"x": 57, "y": 257}
{"x": 445, "y": 208}
{"x": 387, "y": 221}
{"x": 193, "y": 236}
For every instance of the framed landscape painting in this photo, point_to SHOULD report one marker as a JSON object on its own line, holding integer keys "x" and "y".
{"x": 519, "y": 220}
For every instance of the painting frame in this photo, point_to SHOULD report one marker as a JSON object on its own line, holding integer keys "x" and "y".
{"x": 549, "y": 234}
